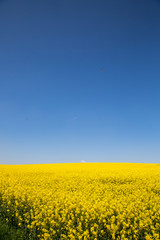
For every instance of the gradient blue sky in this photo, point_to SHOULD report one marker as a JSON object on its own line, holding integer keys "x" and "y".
{"x": 79, "y": 80}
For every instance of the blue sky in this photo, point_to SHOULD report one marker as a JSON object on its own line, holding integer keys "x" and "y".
{"x": 79, "y": 80}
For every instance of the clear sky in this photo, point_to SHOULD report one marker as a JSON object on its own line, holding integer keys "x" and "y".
{"x": 79, "y": 80}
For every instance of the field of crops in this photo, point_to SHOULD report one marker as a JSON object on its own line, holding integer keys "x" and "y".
{"x": 82, "y": 200}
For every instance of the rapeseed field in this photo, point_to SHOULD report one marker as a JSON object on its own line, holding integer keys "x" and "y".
{"x": 82, "y": 201}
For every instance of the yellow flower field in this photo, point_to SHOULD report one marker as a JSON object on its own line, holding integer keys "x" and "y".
{"x": 82, "y": 200}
